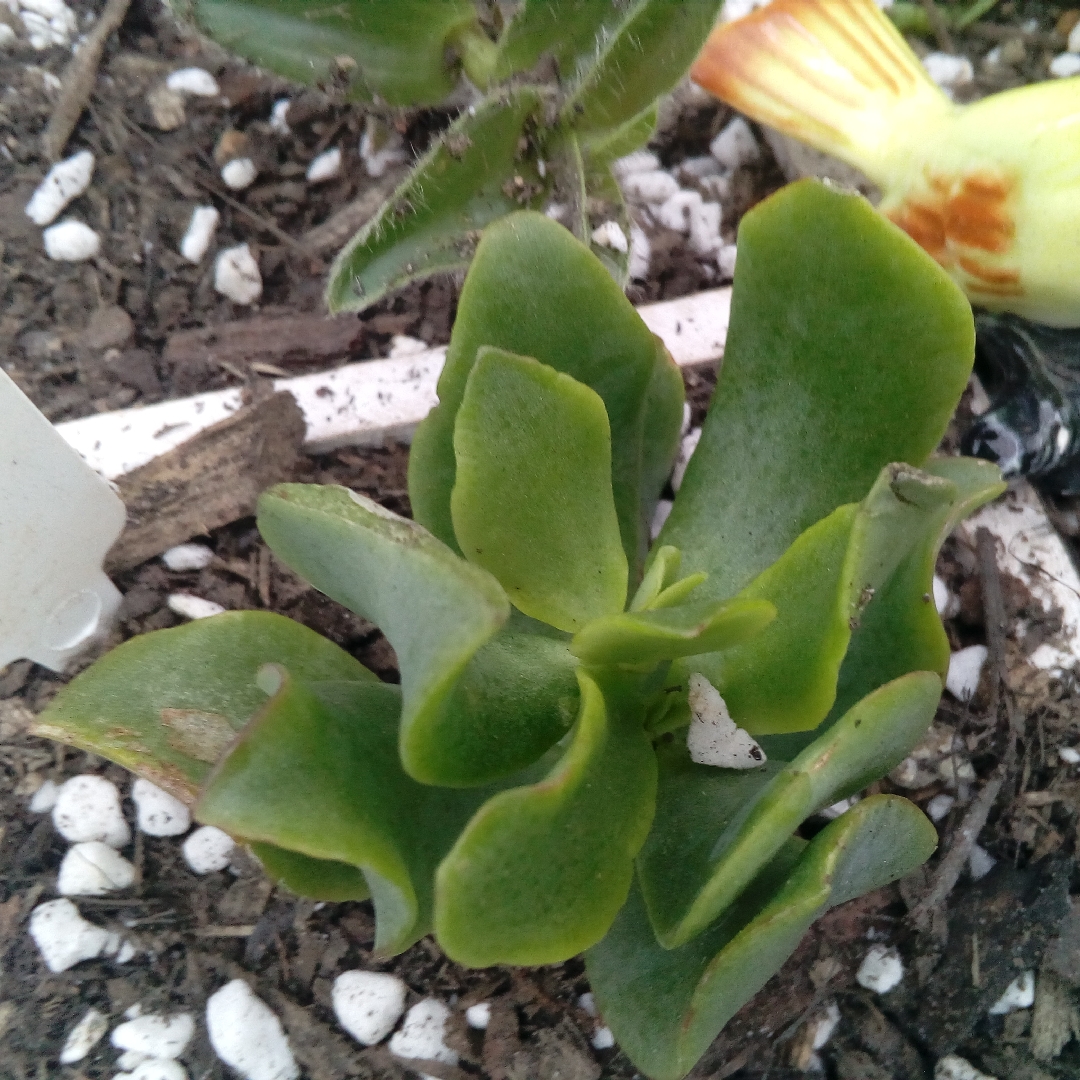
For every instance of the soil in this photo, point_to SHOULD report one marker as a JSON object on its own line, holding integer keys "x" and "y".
{"x": 107, "y": 334}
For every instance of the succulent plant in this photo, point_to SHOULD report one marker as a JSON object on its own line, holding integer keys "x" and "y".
{"x": 530, "y": 790}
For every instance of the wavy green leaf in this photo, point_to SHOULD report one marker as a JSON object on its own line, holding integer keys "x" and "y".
{"x": 686, "y": 890}
{"x": 540, "y": 871}
{"x": 532, "y": 500}
{"x": 666, "y": 1006}
{"x": 167, "y": 705}
{"x": 317, "y": 879}
{"x": 475, "y": 173}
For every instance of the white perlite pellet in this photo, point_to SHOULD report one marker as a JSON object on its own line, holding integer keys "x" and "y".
{"x": 725, "y": 261}
{"x": 640, "y": 253}
{"x": 826, "y": 1025}
{"x": 7, "y": 35}
{"x": 157, "y": 1069}
{"x": 603, "y": 1038}
{"x": 1073, "y": 44}
{"x": 188, "y": 557}
{"x": 159, "y": 813}
{"x": 1019, "y": 994}
{"x": 947, "y": 605}
{"x": 660, "y": 515}
{"x": 939, "y": 806}
{"x": 653, "y": 188}
{"x": 93, "y": 869}
{"x": 954, "y": 1067}
{"x": 587, "y": 1004}
{"x": 236, "y": 275}
{"x": 423, "y": 1033}
{"x": 247, "y": 1036}
{"x": 949, "y": 71}
{"x": 155, "y": 1035}
{"x": 200, "y": 233}
{"x": 70, "y": 241}
{"x": 881, "y": 970}
{"x": 478, "y": 1016}
{"x": 279, "y": 116}
{"x": 88, "y": 808}
{"x": 45, "y": 797}
{"x": 193, "y": 607}
{"x": 403, "y": 345}
{"x": 1065, "y": 65}
{"x": 83, "y": 1037}
{"x": 965, "y": 670}
{"x": 368, "y": 1004}
{"x": 735, "y": 146}
{"x": 64, "y": 937}
{"x": 324, "y": 167}
{"x": 239, "y": 173}
{"x": 1069, "y": 754}
{"x": 198, "y": 82}
{"x": 65, "y": 181}
{"x": 713, "y": 737}
{"x": 611, "y": 235}
{"x": 686, "y": 451}
{"x": 980, "y": 862}
{"x": 208, "y": 849}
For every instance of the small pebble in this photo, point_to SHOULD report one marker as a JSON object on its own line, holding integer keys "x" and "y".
{"x": 640, "y": 253}
{"x": 64, "y": 937}
{"x": 88, "y": 808}
{"x": 167, "y": 108}
{"x": 478, "y": 1016}
{"x": 93, "y": 869}
{"x": 155, "y": 1035}
{"x": 279, "y": 116}
{"x": 610, "y": 235}
{"x": 1073, "y": 44}
{"x": 195, "y": 81}
{"x": 193, "y": 607}
{"x": 735, "y": 146}
{"x": 653, "y": 188}
{"x": 159, "y": 813}
{"x": 197, "y": 239}
{"x": 826, "y": 1025}
{"x": 423, "y": 1033}
{"x": 980, "y": 862}
{"x": 188, "y": 557}
{"x": 208, "y": 849}
{"x": 637, "y": 162}
{"x": 1069, "y": 754}
{"x": 45, "y": 797}
{"x": 725, "y": 261}
{"x": 660, "y": 515}
{"x": 379, "y": 149}
{"x": 881, "y": 970}
{"x": 236, "y": 275}
{"x": 368, "y": 1004}
{"x": 7, "y": 35}
{"x": 1065, "y": 65}
{"x": 948, "y": 71}
{"x": 603, "y": 1038}
{"x": 686, "y": 451}
{"x": 965, "y": 670}
{"x": 587, "y": 1004}
{"x": 71, "y": 241}
{"x": 324, "y": 167}
{"x": 239, "y": 173}
{"x": 942, "y": 597}
{"x": 939, "y": 806}
{"x": 159, "y": 1069}
{"x": 838, "y": 809}
{"x": 65, "y": 181}
{"x": 954, "y": 1067}
{"x": 83, "y": 1037}
{"x": 713, "y": 738}
{"x": 402, "y": 345}
{"x": 247, "y": 1036}
{"x": 1019, "y": 994}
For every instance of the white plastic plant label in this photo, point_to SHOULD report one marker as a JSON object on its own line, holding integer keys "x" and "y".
{"x": 58, "y": 519}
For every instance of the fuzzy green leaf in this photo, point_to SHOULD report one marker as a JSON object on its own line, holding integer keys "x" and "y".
{"x": 532, "y": 501}
{"x": 845, "y": 352}
{"x": 685, "y": 890}
{"x": 535, "y": 291}
{"x": 400, "y": 49}
{"x": 666, "y": 1006}
{"x": 540, "y": 871}
{"x": 474, "y": 174}
{"x": 167, "y": 705}
{"x": 435, "y": 609}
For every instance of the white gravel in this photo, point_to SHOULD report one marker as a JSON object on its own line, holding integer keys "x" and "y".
{"x": 93, "y": 869}
{"x": 324, "y": 167}
{"x": 83, "y": 1037}
{"x": 196, "y": 243}
{"x": 71, "y": 241}
{"x": 193, "y": 607}
{"x": 478, "y": 1016}
{"x": 155, "y": 1035}
{"x": 881, "y": 970}
{"x": 279, "y": 116}
{"x": 88, "y": 808}
{"x": 423, "y": 1033}
{"x": 64, "y": 937}
{"x": 1069, "y": 754}
{"x": 603, "y": 1038}
{"x": 157, "y": 1069}
{"x": 196, "y": 81}
{"x": 965, "y": 670}
{"x": 368, "y": 1004}
{"x": 236, "y": 275}
{"x": 686, "y": 451}
{"x": 65, "y": 181}
{"x": 239, "y": 173}
{"x": 208, "y": 849}
{"x": 247, "y": 1036}
{"x": 1065, "y": 65}
{"x": 640, "y": 253}
{"x": 610, "y": 235}
{"x": 188, "y": 557}
{"x": 713, "y": 737}
{"x": 1019, "y": 994}
{"x": 735, "y": 146}
{"x": 954, "y": 1067}
{"x": 939, "y": 806}
{"x": 44, "y": 799}
{"x": 948, "y": 71}
{"x": 159, "y": 813}
{"x": 980, "y": 862}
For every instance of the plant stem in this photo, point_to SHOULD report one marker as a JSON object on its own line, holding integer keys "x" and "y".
{"x": 478, "y": 54}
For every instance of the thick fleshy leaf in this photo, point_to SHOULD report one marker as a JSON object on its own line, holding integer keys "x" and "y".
{"x": 317, "y": 773}
{"x": 435, "y": 609}
{"x": 540, "y": 871}
{"x": 900, "y": 629}
{"x": 317, "y": 879}
{"x": 533, "y": 290}
{"x": 845, "y": 352}
{"x": 532, "y": 501}
{"x": 474, "y": 174}
{"x": 666, "y": 1006}
{"x": 748, "y": 824}
{"x": 399, "y": 49}
{"x": 642, "y": 58}
{"x": 167, "y": 705}
{"x": 647, "y": 637}
{"x": 661, "y": 436}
